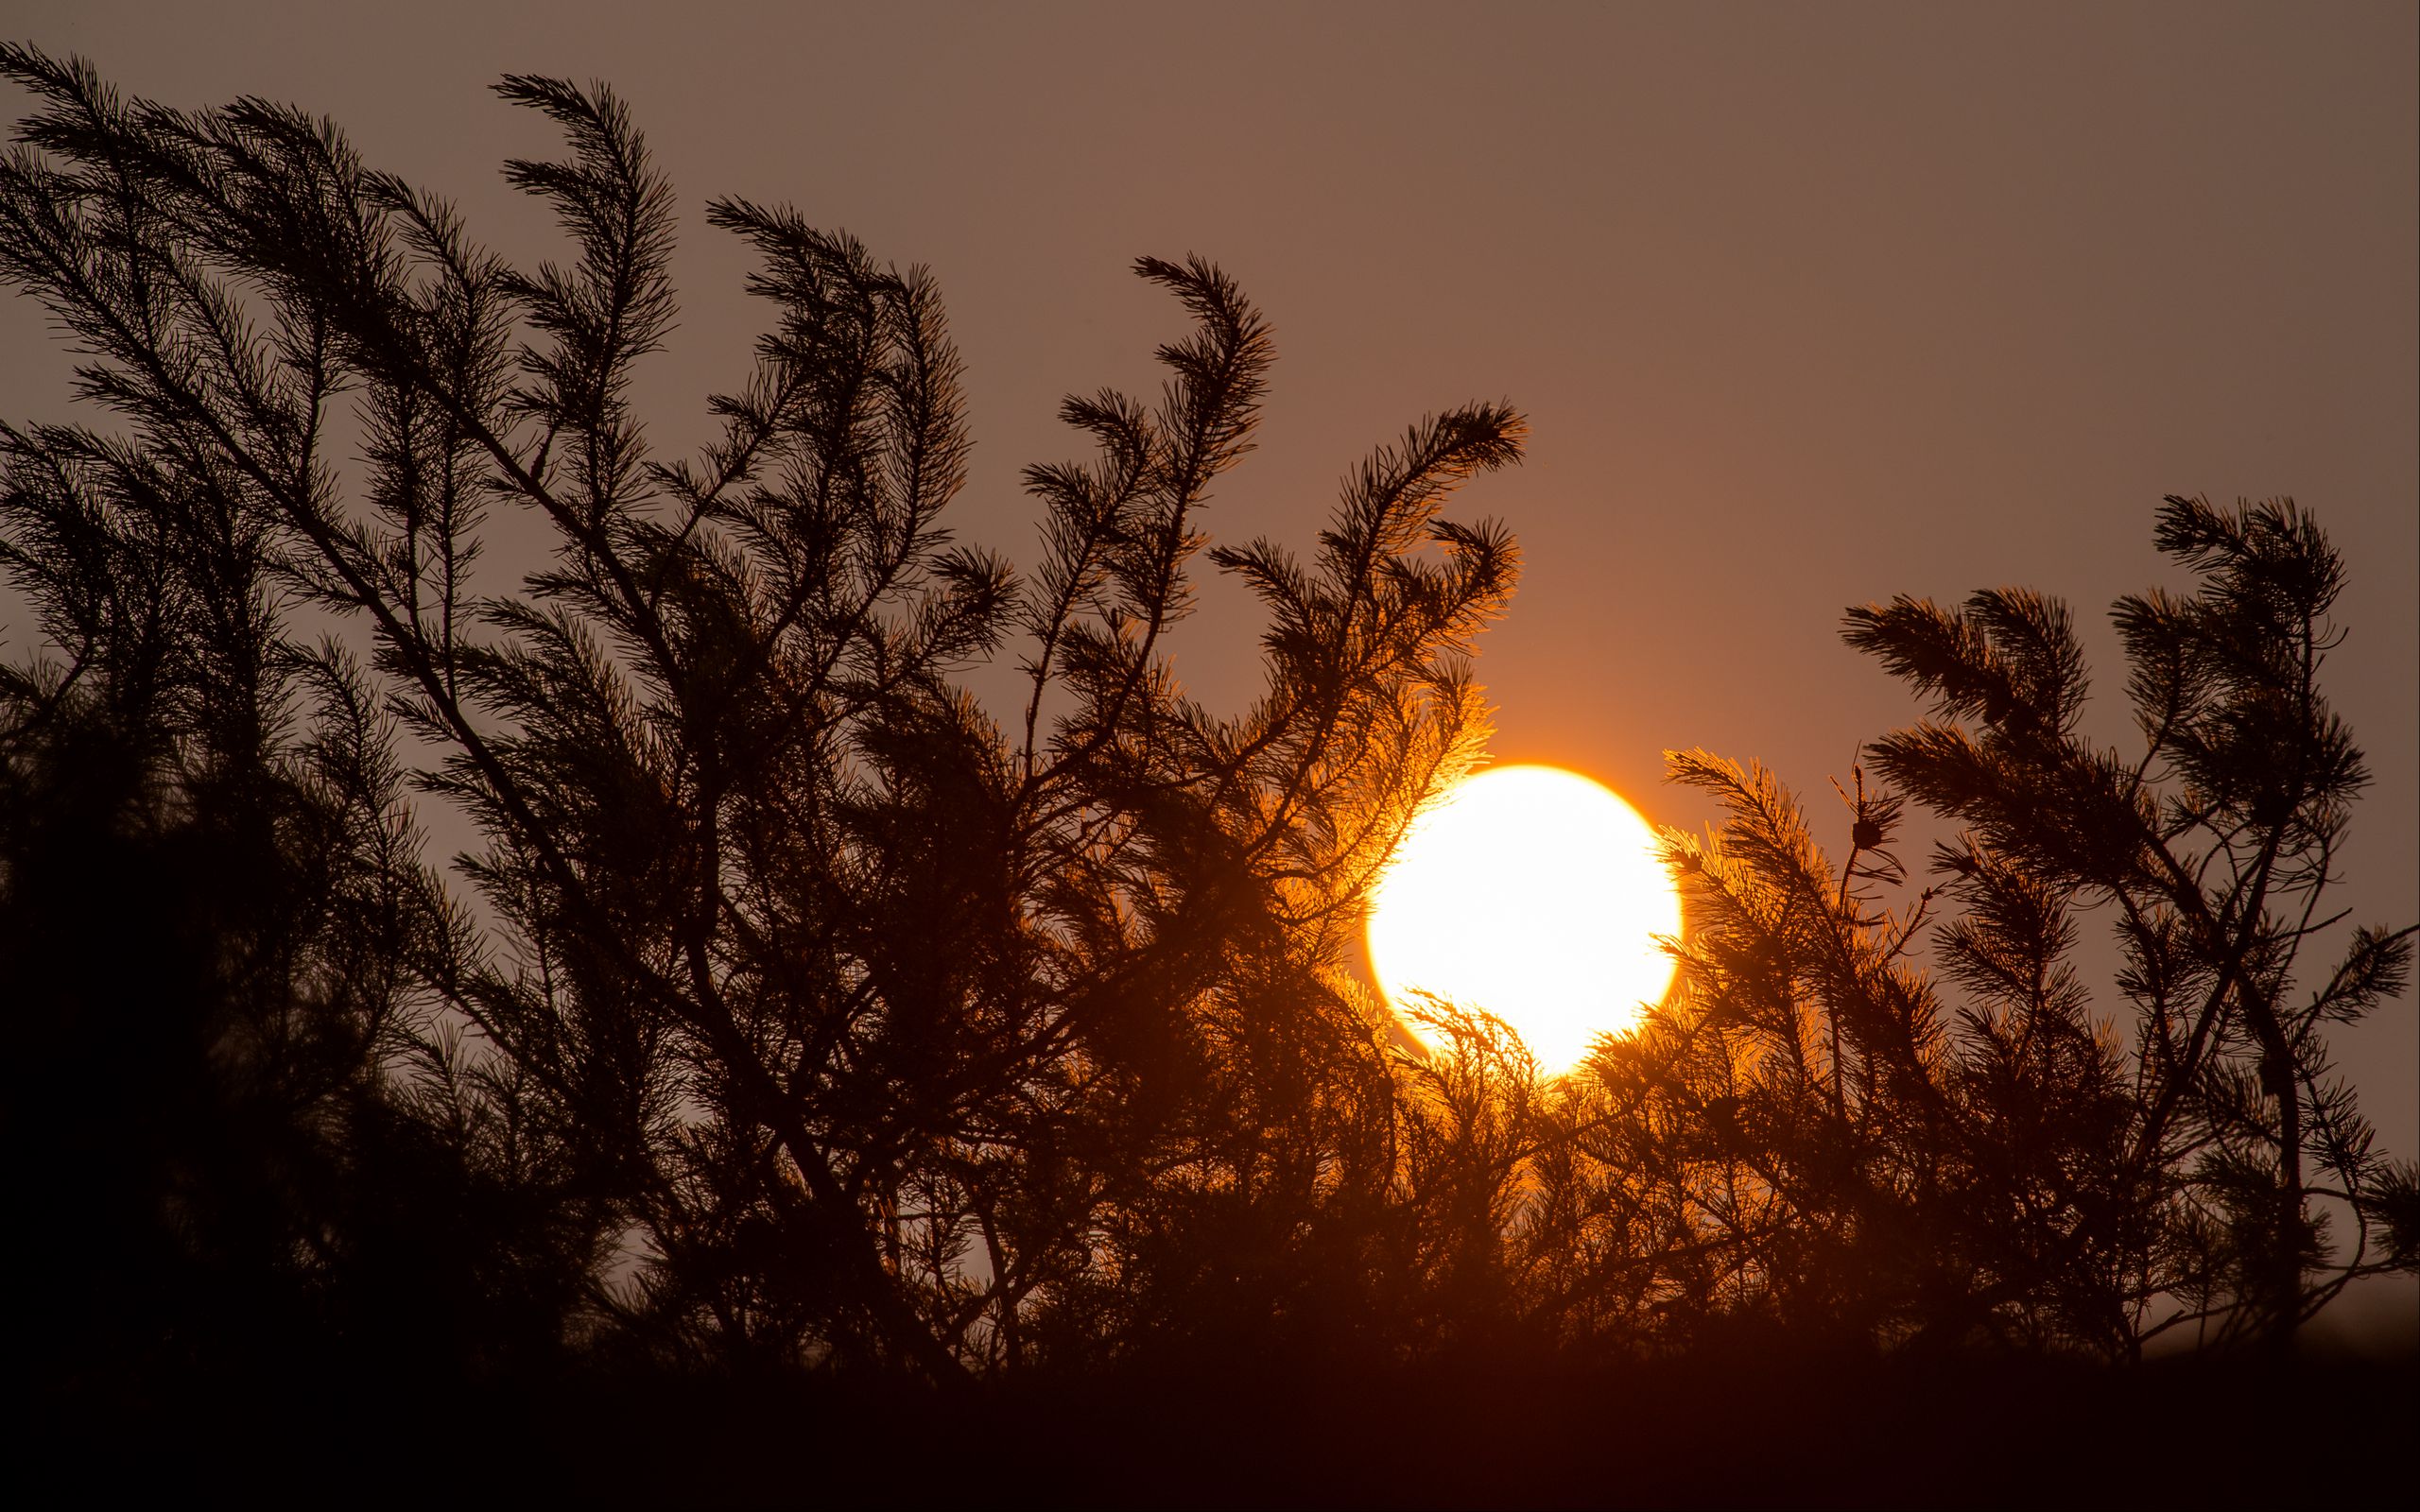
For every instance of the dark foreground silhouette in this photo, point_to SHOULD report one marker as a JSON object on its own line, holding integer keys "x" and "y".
{"x": 817, "y": 1083}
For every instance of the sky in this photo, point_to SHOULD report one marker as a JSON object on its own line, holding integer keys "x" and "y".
{"x": 1808, "y": 304}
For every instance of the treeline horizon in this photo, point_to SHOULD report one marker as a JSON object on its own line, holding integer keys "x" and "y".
{"x": 812, "y": 1024}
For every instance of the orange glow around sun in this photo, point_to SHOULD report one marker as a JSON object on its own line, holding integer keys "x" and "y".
{"x": 1535, "y": 894}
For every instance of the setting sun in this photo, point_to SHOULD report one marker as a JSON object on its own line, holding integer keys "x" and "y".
{"x": 1535, "y": 894}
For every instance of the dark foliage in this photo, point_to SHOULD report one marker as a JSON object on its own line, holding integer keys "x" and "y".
{"x": 806, "y": 1038}
{"x": 1821, "y": 1128}
{"x": 877, "y": 1033}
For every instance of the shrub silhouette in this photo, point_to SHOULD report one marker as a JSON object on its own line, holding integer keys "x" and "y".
{"x": 803, "y": 1019}
{"x": 1823, "y": 1136}
{"x": 888, "y": 1035}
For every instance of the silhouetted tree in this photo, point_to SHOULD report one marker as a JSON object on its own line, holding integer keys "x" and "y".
{"x": 881, "y": 1032}
{"x": 1832, "y": 1145}
{"x": 2215, "y": 845}
{"x": 248, "y": 1137}
{"x": 802, "y": 1014}
{"x": 1825, "y": 1138}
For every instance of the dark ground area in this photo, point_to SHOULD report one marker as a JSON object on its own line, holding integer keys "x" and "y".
{"x": 1738, "y": 1432}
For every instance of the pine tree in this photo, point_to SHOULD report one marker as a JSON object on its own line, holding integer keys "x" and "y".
{"x": 887, "y": 1034}
{"x": 1832, "y": 1131}
{"x": 251, "y": 1138}
{"x": 2215, "y": 845}
{"x": 804, "y": 1012}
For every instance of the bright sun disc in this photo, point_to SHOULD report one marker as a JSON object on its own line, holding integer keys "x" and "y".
{"x": 1535, "y": 894}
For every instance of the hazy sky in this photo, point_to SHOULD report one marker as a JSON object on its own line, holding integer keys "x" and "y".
{"x": 1808, "y": 304}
